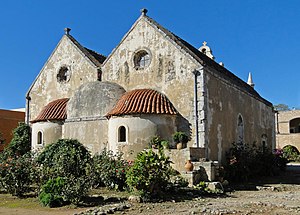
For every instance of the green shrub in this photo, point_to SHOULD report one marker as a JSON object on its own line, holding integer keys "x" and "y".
{"x": 17, "y": 174}
{"x": 155, "y": 142}
{"x": 110, "y": 170}
{"x": 245, "y": 162}
{"x": 51, "y": 193}
{"x": 70, "y": 160}
{"x": 2, "y": 140}
{"x": 150, "y": 173}
{"x": 180, "y": 137}
{"x": 291, "y": 153}
{"x": 21, "y": 143}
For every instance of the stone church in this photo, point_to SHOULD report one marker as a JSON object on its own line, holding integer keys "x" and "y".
{"x": 152, "y": 83}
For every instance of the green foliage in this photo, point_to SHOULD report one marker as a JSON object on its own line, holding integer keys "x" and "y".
{"x": 281, "y": 107}
{"x": 2, "y": 140}
{"x": 51, "y": 193}
{"x": 165, "y": 144}
{"x": 245, "y": 162}
{"x": 150, "y": 173}
{"x": 69, "y": 159}
{"x": 21, "y": 143}
{"x": 155, "y": 141}
{"x": 110, "y": 170}
{"x": 291, "y": 153}
{"x": 178, "y": 181}
{"x": 180, "y": 137}
{"x": 202, "y": 187}
{"x": 17, "y": 173}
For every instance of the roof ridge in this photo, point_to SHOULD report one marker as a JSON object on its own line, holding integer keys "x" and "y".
{"x": 86, "y": 51}
{"x": 206, "y": 61}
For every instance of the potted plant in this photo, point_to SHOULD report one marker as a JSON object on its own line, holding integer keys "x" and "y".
{"x": 180, "y": 138}
{"x": 165, "y": 144}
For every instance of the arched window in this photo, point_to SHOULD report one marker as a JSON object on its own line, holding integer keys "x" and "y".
{"x": 122, "y": 134}
{"x": 264, "y": 141}
{"x": 240, "y": 130}
{"x": 141, "y": 59}
{"x": 295, "y": 125}
{"x": 39, "y": 138}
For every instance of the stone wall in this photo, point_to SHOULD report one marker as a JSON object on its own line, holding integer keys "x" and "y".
{"x": 50, "y": 131}
{"x": 283, "y": 135}
{"x": 47, "y": 88}
{"x": 140, "y": 129}
{"x": 225, "y": 103}
{"x": 169, "y": 72}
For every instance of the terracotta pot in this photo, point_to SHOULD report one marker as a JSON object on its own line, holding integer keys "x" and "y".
{"x": 179, "y": 146}
{"x": 189, "y": 166}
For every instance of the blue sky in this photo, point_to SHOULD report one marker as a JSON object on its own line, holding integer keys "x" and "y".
{"x": 257, "y": 36}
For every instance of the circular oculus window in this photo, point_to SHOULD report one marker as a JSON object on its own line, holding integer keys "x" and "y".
{"x": 141, "y": 59}
{"x": 63, "y": 74}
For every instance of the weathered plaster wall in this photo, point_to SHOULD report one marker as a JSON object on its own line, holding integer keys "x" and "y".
{"x": 46, "y": 88}
{"x": 169, "y": 72}
{"x": 283, "y": 135}
{"x": 92, "y": 134}
{"x": 224, "y": 104}
{"x": 51, "y": 132}
{"x": 139, "y": 131}
{"x": 85, "y": 113}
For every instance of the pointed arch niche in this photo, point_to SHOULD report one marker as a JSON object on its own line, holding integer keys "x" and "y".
{"x": 240, "y": 130}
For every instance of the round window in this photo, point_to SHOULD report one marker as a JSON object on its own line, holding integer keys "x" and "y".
{"x": 141, "y": 59}
{"x": 63, "y": 74}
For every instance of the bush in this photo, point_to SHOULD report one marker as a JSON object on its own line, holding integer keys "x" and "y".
{"x": 51, "y": 193}
{"x": 21, "y": 143}
{"x": 291, "y": 153}
{"x": 70, "y": 160}
{"x": 110, "y": 170}
{"x": 180, "y": 137}
{"x": 245, "y": 162}
{"x": 17, "y": 174}
{"x": 150, "y": 173}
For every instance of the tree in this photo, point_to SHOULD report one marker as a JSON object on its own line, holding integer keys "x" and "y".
{"x": 21, "y": 142}
{"x": 71, "y": 161}
{"x": 2, "y": 140}
{"x": 281, "y": 107}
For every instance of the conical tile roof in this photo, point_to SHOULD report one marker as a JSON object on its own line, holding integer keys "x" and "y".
{"x": 143, "y": 101}
{"x": 55, "y": 110}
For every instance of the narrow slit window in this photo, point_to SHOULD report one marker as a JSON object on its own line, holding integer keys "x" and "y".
{"x": 122, "y": 134}
{"x": 40, "y": 138}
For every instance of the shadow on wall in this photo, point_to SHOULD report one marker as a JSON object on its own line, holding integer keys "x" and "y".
{"x": 184, "y": 125}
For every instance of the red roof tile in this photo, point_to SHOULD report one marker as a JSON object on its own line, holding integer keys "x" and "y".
{"x": 143, "y": 101}
{"x": 55, "y": 110}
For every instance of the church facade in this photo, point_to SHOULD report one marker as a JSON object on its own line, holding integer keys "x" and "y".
{"x": 152, "y": 83}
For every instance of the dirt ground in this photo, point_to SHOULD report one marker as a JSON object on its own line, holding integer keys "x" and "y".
{"x": 274, "y": 195}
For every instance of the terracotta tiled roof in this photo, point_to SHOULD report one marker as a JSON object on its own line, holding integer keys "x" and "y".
{"x": 55, "y": 110}
{"x": 143, "y": 101}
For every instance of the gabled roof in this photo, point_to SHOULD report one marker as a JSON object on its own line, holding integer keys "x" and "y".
{"x": 95, "y": 57}
{"x": 142, "y": 101}
{"x": 199, "y": 57}
{"x": 55, "y": 110}
{"x": 206, "y": 61}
